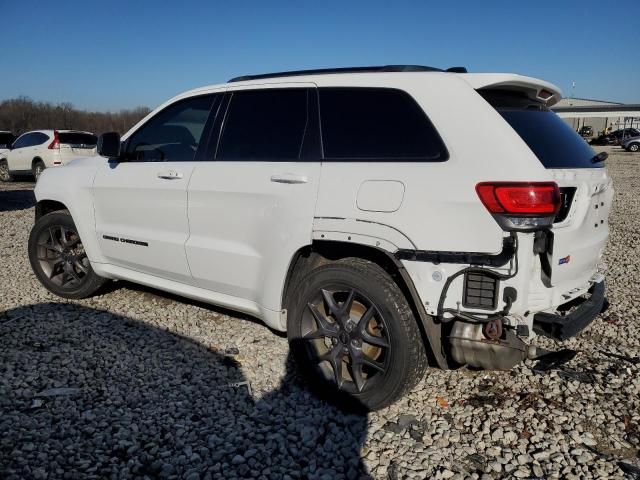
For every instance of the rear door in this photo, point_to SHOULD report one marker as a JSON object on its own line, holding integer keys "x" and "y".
{"x": 141, "y": 201}
{"x": 581, "y": 228}
{"x": 251, "y": 202}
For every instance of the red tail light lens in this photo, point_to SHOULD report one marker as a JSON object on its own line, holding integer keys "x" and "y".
{"x": 520, "y": 198}
{"x": 56, "y": 141}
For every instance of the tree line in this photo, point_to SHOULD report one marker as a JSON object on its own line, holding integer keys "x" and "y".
{"x": 22, "y": 114}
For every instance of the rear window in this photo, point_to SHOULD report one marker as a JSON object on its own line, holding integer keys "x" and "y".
{"x": 383, "y": 124}
{"x": 549, "y": 137}
{"x": 6, "y": 139}
{"x": 552, "y": 140}
{"x": 80, "y": 140}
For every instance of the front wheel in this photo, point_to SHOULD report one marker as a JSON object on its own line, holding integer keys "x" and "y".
{"x": 634, "y": 147}
{"x": 353, "y": 335}
{"x": 58, "y": 258}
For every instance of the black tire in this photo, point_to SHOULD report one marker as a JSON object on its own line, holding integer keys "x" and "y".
{"x": 5, "y": 175}
{"x": 377, "y": 306}
{"x": 634, "y": 147}
{"x": 58, "y": 259}
{"x": 37, "y": 169}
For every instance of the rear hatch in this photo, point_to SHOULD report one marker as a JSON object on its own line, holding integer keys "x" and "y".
{"x": 77, "y": 144}
{"x": 580, "y": 230}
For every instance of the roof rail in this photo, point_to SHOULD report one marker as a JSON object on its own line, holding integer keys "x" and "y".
{"x": 322, "y": 71}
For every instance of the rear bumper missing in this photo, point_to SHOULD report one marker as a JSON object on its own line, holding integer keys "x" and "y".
{"x": 562, "y": 327}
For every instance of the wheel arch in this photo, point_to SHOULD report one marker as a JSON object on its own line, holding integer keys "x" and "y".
{"x": 35, "y": 160}
{"x": 321, "y": 252}
{"x": 47, "y": 206}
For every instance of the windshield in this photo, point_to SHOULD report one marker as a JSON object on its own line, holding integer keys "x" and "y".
{"x": 552, "y": 140}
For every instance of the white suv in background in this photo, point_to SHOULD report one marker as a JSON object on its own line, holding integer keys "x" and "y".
{"x": 374, "y": 214}
{"x": 34, "y": 151}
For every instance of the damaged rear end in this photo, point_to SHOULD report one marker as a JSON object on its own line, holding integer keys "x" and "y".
{"x": 547, "y": 280}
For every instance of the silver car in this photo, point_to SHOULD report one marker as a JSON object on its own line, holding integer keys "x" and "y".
{"x": 631, "y": 144}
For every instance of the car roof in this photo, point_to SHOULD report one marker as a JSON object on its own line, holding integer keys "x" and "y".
{"x": 384, "y": 78}
{"x": 411, "y": 76}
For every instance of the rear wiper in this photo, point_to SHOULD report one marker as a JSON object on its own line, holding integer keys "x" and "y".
{"x": 600, "y": 157}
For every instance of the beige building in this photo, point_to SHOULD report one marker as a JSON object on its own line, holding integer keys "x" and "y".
{"x": 598, "y": 114}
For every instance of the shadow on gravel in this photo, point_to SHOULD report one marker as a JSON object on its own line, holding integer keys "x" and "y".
{"x": 88, "y": 394}
{"x": 11, "y": 200}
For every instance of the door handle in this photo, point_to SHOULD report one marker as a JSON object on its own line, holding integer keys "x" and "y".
{"x": 170, "y": 175}
{"x": 289, "y": 178}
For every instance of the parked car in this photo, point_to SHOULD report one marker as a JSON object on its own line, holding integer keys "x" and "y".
{"x": 34, "y": 151}
{"x": 352, "y": 209}
{"x": 631, "y": 144}
{"x": 6, "y": 139}
{"x": 615, "y": 137}
{"x": 586, "y": 131}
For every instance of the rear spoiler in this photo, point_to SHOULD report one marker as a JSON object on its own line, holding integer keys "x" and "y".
{"x": 534, "y": 88}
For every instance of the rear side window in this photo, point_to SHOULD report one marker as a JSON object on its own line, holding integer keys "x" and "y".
{"x": 549, "y": 137}
{"x": 39, "y": 138}
{"x": 376, "y": 124}
{"x": 78, "y": 140}
{"x": 264, "y": 125}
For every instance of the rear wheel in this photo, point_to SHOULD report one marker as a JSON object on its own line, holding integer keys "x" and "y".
{"x": 58, "y": 258}
{"x": 5, "y": 175}
{"x": 634, "y": 147}
{"x": 354, "y": 336}
{"x": 38, "y": 168}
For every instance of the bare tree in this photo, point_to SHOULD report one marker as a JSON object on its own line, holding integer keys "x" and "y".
{"x": 22, "y": 114}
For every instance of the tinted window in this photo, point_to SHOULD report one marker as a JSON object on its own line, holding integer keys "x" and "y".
{"x": 6, "y": 139}
{"x": 376, "y": 124}
{"x": 78, "y": 140}
{"x": 173, "y": 134}
{"x": 264, "y": 125}
{"x": 552, "y": 140}
{"x": 38, "y": 138}
{"x": 24, "y": 141}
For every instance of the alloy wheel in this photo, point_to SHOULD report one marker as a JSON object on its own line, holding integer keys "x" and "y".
{"x": 62, "y": 257}
{"x": 346, "y": 338}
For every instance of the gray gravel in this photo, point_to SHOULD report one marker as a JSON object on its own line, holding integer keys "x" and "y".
{"x": 136, "y": 383}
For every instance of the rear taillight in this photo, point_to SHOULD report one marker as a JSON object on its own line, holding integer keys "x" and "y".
{"x": 56, "y": 141}
{"x": 521, "y": 205}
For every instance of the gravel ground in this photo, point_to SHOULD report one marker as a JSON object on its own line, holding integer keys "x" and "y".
{"x": 138, "y": 383}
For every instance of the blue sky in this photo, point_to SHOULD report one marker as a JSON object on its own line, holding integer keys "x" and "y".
{"x": 121, "y": 54}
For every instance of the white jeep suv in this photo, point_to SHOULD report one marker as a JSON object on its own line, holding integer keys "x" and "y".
{"x": 379, "y": 216}
{"x": 34, "y": 151}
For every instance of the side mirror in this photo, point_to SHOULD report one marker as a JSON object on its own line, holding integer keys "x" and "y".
{"x": 109, "y": 145}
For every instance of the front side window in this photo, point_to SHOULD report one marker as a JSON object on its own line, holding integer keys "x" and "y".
{"x": 173, "y": 135}
{"x": 24, "y": 141}
{"x": 376, "y": 124}
{"x": 264, "y": 125}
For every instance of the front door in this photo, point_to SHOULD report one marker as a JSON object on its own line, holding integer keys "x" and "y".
{"x": 141, "y": 200}
{"x": 251, "y": 205}
{"x": 17, "y": 158}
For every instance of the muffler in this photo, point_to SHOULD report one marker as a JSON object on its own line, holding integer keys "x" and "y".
{"x": 488, "y": 345}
